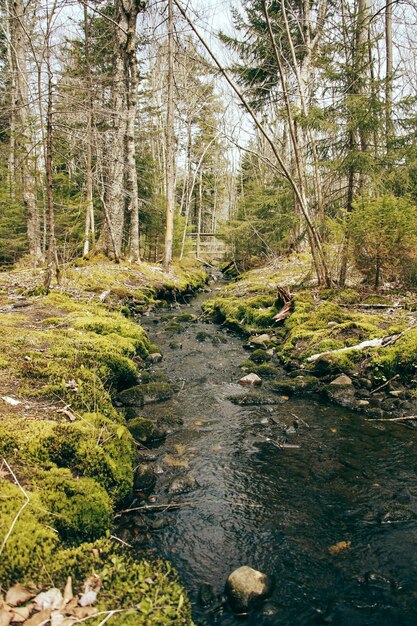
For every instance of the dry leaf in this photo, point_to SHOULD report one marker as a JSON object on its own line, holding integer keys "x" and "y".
{"x": 10, "y": 400}
{"x": 339, "y": 546}
{"x": 82, "y": 612}
{"x": 57, "y": 619}
{"x": 51, "y": 599}
{"x": 21, "y": 613}
{"x": 39, "y": 618}
{"x": 333, "y": 430}
{"x": 69, "y": 608}
{"x": 18, "y": 595}
{"x": 88, "y": 598}
{"x": 5, "y": 617}
{"x": 68, "y": 595}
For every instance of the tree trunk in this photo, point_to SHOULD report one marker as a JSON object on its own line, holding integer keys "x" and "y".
{"x": 388, "y": 75}
{"x": 170, "y": 140}
{"x": 52, "y": 257}
{"x": 131, "y": 171}
{"x": 24, "y": 142}
{"x": 89, "y": 235}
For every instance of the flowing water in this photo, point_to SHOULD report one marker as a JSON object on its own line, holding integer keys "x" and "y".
{"x": 279, "y": 510}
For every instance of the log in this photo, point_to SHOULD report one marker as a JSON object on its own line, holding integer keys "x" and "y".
{"x": 384, "y": 342}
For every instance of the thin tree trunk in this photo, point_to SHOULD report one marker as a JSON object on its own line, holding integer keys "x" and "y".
{"x": 389, "y": 74}
{"x": 89, "y": 235}
{"x": 131, "y": 171}
{"x": 52, "y": 257}
{"x": 24, "y": 142}
{"x": 170, "y": 140}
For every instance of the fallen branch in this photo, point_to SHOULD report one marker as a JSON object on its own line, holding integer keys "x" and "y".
{"x": 178, "y": 505}
{"x": 392, "y": 419}
{"x": 383, "y": 342}
{"x": 286, "y": 298}
{"x": 385, "y": 384}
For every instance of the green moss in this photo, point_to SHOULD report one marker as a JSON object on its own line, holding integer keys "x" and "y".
{"x": 81, "y": 508}
{"x": 259, "y": 356}
{"x": 149, "y": 592}
{"x": 32, "y": 541}
{"x": 400, "y": 358}
{"x": 94, "y": 447}
{"x": 264, "y": 370}
{"x": 141, "y": 429}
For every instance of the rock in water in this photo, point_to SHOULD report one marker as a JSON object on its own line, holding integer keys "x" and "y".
{"x": 245, "y": 587}
{"x": 342, "y": 380}
{"x": 251, "y": 379}
{"x": 260, "y": 340}
{"x": 183, "y": 484}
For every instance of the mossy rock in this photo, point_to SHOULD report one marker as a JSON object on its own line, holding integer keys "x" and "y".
{"x": 148, "y": 376}
{"x": 148, "y": 393}
{"x": 297, "y": 386}
{"x": 141, "y": 429}
{"x": 259, "y": 356}
{"x": 264, "y": 370}
{"x": 81, "y": 509}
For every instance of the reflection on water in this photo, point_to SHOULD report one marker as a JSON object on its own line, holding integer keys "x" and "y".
{"x": 280, "y": 510}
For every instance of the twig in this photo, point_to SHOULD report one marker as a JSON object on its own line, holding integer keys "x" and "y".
{"x": 128, "y": 545}
{"x": 22, "y": 508}
{"x": 392, "y": 419}
{"x": 385, "y": 384}
{"x": 178, "y": 505}
{"x": 300, "y": 419}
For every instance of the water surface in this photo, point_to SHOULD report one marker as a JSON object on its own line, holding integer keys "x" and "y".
{"x": 280, "y": 510}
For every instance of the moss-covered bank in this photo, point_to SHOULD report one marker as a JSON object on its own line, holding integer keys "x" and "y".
{"x": 69, "y": 455}
{"x": 324, "y": 321}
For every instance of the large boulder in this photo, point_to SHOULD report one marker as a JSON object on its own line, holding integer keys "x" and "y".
{"x": 247, "y": 587}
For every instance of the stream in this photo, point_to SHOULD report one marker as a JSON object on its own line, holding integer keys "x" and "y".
{"x": 280, "y": 510}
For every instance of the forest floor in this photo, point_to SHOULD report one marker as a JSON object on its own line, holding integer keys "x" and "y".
{"x": 69, "y": 458}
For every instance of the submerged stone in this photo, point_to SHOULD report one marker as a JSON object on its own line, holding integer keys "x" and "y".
{"x": 183, "y": 484}
{"x": 247, "y": 587}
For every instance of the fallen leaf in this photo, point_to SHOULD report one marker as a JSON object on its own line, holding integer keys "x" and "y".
{"x": 39, "y": 618}
{"x": 10, "y": 400}
{"x": 68, "y": 595}
{"x": 72, "y": 604}
{"x": 5, "y": 617}
{"x": 88, "y": 598}
{"x": 18, "y": 595}
{"x": 333, "y": 430}
{"x": 21, "y": 613}
{"x": 339, "y": 546}
{"x": 57, "y": 619}
{"x": 51, "y": 599}
{"x": 82, "y": 612}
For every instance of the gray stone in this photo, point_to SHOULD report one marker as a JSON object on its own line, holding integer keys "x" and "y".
{"x": 251, "y": 379}
{"x": 342, "y": 380}
{"x": 246, "y": 587}
{"x": 260, "y": 340}
{"x": 183, "y": 484}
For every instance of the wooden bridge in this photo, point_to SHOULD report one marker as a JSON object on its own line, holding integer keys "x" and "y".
{"x": 207, "y": 246}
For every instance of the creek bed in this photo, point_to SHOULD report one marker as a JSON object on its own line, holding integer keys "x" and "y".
{"x": 277, "y": 510}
